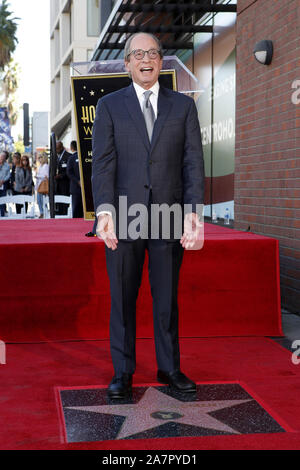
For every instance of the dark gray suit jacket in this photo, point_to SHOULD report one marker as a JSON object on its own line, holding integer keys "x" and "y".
{"x": 126, "y": 163}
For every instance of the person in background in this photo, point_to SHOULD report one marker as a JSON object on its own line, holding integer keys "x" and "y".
{"x": 42, "y": 173}
{"x": 16, "y": 163}
{"x": 23, "y": 178}
{"x": 75, "y": 187}
{"x": 62, "y": 182}
{"x": 4, "y": 179}
{"x": 6, "y": 153}
{"x": 27, "y": 171}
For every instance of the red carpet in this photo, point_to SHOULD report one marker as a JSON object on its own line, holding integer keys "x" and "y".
{"x": 31, "y": 418}
{"x": 54, "y": 285}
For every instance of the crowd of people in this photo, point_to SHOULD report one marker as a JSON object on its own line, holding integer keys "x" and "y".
{"x": 19, "y": 177}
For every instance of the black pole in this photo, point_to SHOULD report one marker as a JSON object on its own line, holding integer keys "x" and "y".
{"x": 52, "y": 171}
{"x": 26, "y": 138}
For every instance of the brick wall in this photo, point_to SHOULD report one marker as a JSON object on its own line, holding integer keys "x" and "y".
{"x": 267, "y": 164}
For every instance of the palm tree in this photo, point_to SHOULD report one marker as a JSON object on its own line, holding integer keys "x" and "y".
{"x": 8, "y": 29}
{"x": 10, "y": 77}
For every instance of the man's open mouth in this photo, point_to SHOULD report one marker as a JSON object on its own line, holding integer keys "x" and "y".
{"x": 146, "y": 69}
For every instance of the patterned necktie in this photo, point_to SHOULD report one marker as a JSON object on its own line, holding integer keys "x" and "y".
{"x": 148, "y": 113}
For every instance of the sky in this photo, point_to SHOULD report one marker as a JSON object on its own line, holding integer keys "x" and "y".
{"x": 33, "y": 55}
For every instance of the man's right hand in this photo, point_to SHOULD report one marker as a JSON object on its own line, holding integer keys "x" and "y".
{"x": 105, "y": 230}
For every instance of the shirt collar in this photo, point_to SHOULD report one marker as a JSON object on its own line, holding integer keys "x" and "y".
{"x": 140, "y": 90}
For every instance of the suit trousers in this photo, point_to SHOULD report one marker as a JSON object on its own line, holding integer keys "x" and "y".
{"x": 125, "y": 268}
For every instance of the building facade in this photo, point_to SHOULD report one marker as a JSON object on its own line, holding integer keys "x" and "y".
{"x": 74, "y": 31}
{"x": 267, "y": 156}
{"x": 40, "y": 131}
{"x": 202, "y": 35}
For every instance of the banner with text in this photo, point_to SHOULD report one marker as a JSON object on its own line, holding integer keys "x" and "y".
{"x": 87, "y": 90}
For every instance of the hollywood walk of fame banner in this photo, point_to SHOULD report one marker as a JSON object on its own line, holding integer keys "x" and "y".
{"x": 87, "y": 90}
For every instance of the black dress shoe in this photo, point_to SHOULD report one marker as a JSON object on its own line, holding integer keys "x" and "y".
{"x": 120, "y": 386}
{"x": 176, "y": 380}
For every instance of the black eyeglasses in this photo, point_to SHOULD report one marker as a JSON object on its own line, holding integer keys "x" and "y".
{"x": 139, "y": 54}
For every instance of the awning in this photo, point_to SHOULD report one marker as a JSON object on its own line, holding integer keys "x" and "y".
{"x": 173, "y": 21}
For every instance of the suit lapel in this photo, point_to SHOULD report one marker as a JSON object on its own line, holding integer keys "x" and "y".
{"x": 163, "y": 108}
{"x": 136, "y": 114}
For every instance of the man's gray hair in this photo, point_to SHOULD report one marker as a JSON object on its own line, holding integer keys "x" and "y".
{"x": 128, "y": 43}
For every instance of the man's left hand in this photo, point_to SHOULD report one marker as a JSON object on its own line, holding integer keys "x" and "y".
{"x": 193, "y": 236}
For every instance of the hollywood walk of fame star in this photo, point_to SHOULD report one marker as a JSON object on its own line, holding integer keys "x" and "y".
{"x": 155, "y": 408}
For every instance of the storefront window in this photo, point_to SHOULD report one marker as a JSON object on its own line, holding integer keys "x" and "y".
{"x": 213, "y": 63}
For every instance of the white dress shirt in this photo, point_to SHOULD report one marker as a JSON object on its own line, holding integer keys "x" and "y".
{"x": 153, "y": 97}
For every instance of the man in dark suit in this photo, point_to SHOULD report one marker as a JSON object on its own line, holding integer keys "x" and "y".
{"x": 74, "y": 177}
{"x": 147, "y": 149}
{"x": 62, "y": 182}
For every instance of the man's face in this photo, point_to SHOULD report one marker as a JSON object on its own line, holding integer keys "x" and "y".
{"x": 144, "y": 72}
{"x": 2, "y": 158}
